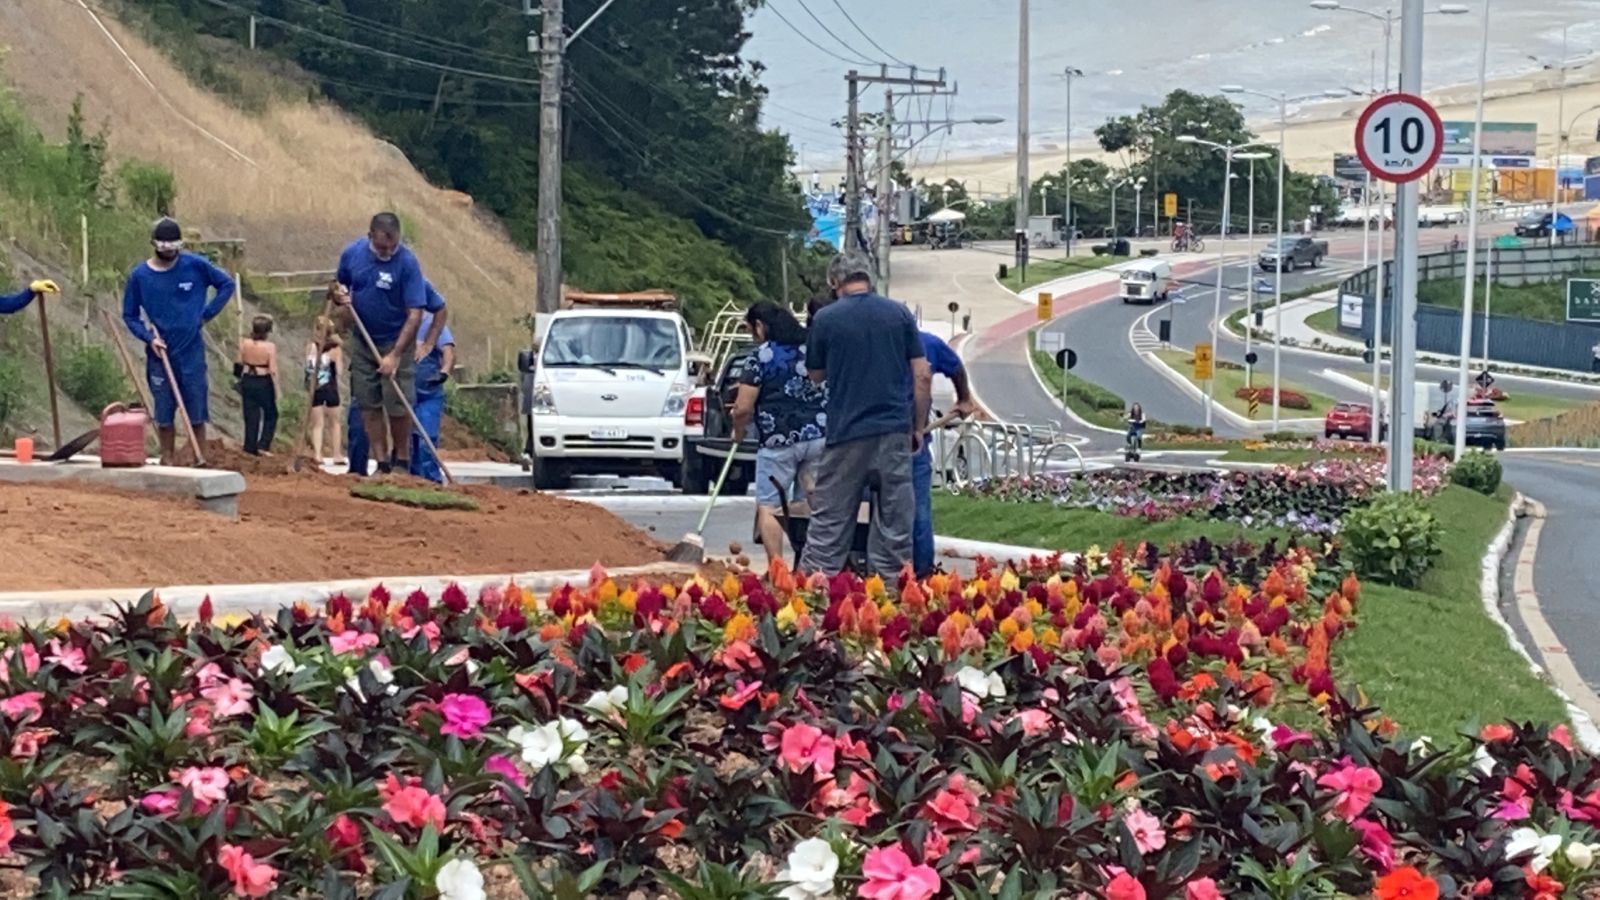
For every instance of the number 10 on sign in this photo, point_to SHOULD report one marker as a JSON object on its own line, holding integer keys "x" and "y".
{"x": 1399, "y": 138}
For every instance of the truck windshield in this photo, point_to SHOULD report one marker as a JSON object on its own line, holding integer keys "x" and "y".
{"x": 1138, "y": 275}
{"x": 614, "y": 342}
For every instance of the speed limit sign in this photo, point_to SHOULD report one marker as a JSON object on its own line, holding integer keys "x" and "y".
{"x": 1399, "y": 137}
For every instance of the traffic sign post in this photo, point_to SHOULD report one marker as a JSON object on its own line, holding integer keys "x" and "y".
{"x": 1583, "y": 299}
{"x": 1169, "y": 205}
{"x": 1202, "y": 362}
{"x": 1399, "y": 138}
{"x": 1046, "y": 304}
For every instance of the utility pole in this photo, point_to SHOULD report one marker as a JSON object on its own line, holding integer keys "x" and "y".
{"x": 1404, "y": 358}
{"x": 854, "y": 166}
{"x": 1023, "y": 188}
{"x": 852, "y": 163}
{"x": 885, "y": 190}
{"x": 551, "y": 49}
{"x": 1071, "y": 231}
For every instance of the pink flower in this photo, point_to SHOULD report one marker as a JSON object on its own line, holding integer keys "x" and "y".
{"x": 1123, "y": 886}
{"x": 506, "y": 769}
{"x": 67, "y": 657}
{"x": 1034, "y": 721}
{"x": 805, "y": 745}
{"x": 1376, "y": 844}
{"x": 209, "y": 675}
{"x": 199, "y": 724}
{"x": 160, "y": 803}
{"x": 891, "y": 876}
{"x": 954, "y": 807}
{"x": 23, "y": 707}
{"x": 208, "y": 785}
{"x": 30, "y": 662}
{"x": 1562, "y": 736}
{"x": 26, "y": 743}
{"x": 1284, "y": 737}
{"x": 1201, "y": 889}
{"x": 412, "y": 805}
{"x": 351, "y": 641}
{"x": 1146, "y": 829}
{"x": 250, "y": 878}
{"x": 743, "y": 692}
{"x": 1354, "y": 786}
{"x": 229, "y": 698}
{"x": 464, "y": 715}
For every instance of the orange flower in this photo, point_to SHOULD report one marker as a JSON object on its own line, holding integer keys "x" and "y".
{"x": 1406, "y": 884}
{"x": 1022, "y": 641}
{"x": 1496, "y": 732}
{"x": 1351, "y": 587}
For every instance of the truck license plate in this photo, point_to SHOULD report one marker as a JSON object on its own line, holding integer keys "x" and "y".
{"x": 608, "y": 434}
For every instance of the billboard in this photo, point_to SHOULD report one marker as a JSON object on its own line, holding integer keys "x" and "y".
{"x": 1506, "y": 145}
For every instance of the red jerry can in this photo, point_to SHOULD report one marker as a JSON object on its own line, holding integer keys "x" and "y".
{"x": 122, "y": 437}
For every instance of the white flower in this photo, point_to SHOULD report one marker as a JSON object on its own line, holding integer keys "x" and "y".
{"x": 979, "y": 683}
{"x": 1525, "y": 841}
{"x": 605, "y": 703}
{"x": 1580, "y": 854}
{"x": 572, "y": 731}
{"x": 459, "y": 879}
{"x": 1424, "y": 745}
{"x": 552, "y": 742}
{"x": 1482, "y": 761}
{"x": 812, "y": 866}
{"x": 577, "y": 764}
{"x": 277, "y": 661}
{"x": 381, "y": 673}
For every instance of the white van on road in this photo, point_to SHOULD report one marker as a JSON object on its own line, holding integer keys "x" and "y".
{"x": 610, "y": 387}
{"x": 1146, "y": 281}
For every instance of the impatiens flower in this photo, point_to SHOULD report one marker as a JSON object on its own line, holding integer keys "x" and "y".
{"x": 160, "y": 803}
{"x": 548, "y": 744}
{"x": 1494, "y": 733}
{"x": 810, "y": 868}
{"x": 414, "y": 806}
{"x": 464, "y": 715}
{"x": 459, "y": 879}
{"x": 955, "y": 807}
{"x": 743, "y": 692}
{"x": 1406, "y": 884}
{"x": 1123, "y": 886}
{"x": 1527, "y": 842}
{"x": 1283, "y": 737}
{"x": 250, "y": 878}
{"x": 506, "y": 769}
{"x": 1581, "y": 855}
{"x": 1201, "y": 889}
{"x": 1354, "y": 787}
{"x": 803, "y": 746}
{"x": 382, "y": 673}
{"x": 23, "y": 708}
{"x": 1560, "y": 735}
{"x": 276, "y": 660}
{"x": 229, "y": 698}
{"x": 1034, "y": 721}
{"x": 205, "y": 784}
{"x": 67, "y": 657}
{"x": 890, "y": 875}
{"x": 1146, "y": 829}
{"x": 979, "y": 683}
{"x": 29, "y": 655}
{"x": 1376, "y": 844}
{"x": 26, "y": 743}
{"x": 351, "y": 641}
{"x": 606, "y": 703}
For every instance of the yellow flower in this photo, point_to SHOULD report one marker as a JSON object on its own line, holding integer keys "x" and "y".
{"x": 1049, "y": 640}
{"x": 740, "y": 627}
{"x": 1277, "y": 601}
{"x": 874, "y": 588}
{"x": 669, "y": 591}
{"x": 1136, "y": 582}
{"x": 530, "y": 603}
{"x": 984, "y": 612}
{"x": 1022, "y": 641}
{"x": 1008, "y": 628}
{"x": 886, "y": 611}
{"x": 730, "y": 586}
{"x": 971, "y": 590}
{"x": 786, "y": 616}
{"x": 225, "y": 620}
{"x": 628, "y": 599}
{"x": 1034, "y": 608}
{"x": 608, "y": 591}
{"x": 1009, "y": 581}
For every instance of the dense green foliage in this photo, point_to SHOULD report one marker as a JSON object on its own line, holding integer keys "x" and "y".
{"x": 1544, "y": 302}
{"x": 658, "y": 102}
{"x": 1477, "y": 470}
{"x": 91, "y": 375}
{"x": 13, "y": 390}
{"x": 1393, "y": 540}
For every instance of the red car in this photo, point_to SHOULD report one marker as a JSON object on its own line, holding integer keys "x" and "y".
{"x": 1350, "y": 420}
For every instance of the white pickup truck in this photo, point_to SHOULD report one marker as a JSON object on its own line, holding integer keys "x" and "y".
{"x": 611, "y": 383}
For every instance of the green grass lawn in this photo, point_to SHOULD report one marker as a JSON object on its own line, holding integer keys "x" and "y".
{"x": 1326, "y": 322}
{"x": 1543, "y": 302}
{"x": 421, "y": 498}
{"x": 1042, "y": 270}
{"x": 1230, "y": 380}
{"x": 1430, "y": 657}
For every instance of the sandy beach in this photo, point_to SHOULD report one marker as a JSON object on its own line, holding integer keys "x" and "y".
{"x": 1322, "y": 130}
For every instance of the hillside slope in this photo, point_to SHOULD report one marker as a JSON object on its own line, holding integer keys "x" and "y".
{"x": 295, "y": 182}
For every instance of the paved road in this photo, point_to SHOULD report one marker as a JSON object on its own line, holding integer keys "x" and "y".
{"x": 1568, "y": 484}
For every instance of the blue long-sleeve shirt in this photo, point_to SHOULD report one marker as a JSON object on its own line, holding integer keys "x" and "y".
{"x": 15, "y": 302}
{"x": 175, "y": 300}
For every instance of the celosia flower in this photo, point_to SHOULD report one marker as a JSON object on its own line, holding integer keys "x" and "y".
{"x": 802, "y": 746}
{"x": 250, "y": 878}
{"x": 459, "y": 879}
{"x": 464, "y": 715}
{"x": 1354, "y": 787}
{"x": 1406, "y": 884}
{"x": 890, "y": 875}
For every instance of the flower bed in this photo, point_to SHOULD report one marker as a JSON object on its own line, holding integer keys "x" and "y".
{"x": 1310, "y": 498}
{"x": 1287, "y": 399}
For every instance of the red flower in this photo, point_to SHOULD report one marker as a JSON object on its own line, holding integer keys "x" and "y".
{"x": 1124, "y": 887}
{"x": 1406, "y": 884}
{"x": 250, "y": 878}
{"x": 743, "y": 692}
{"x": 1495, "y": 733}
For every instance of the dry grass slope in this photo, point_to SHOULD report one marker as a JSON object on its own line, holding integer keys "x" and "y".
{"x": 296, "y": 183}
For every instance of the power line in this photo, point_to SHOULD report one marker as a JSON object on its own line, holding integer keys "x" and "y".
{"x": 415, "y": 37}
{"x": 830, "y": 32}
{"x": 852, "y": 21}
{"x": 807, "y": 38}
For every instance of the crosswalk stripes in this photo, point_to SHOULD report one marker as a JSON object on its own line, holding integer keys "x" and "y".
{"x": 1144, "y": 340}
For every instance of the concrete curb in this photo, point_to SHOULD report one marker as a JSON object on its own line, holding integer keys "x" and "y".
{"x": 958, "y": 548}
{"x": 1587, "y": 734}
{"x": 1066, "y": 410}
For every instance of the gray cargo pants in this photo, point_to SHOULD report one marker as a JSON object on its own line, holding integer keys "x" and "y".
{"x": 846, "y": 470}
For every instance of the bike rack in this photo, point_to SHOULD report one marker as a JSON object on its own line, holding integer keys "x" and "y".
{"x": 974, "y": 451}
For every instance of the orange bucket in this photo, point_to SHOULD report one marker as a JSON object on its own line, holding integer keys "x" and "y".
{"x": 24, "y": 448}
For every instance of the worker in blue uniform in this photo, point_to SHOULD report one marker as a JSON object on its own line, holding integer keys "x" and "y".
{"x": 169, "y": 290}
{"x": 20, "y": 300}
{"x": 435, "y": 344}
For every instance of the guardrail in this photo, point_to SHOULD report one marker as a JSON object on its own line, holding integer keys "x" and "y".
{"x": 975, "y": 451}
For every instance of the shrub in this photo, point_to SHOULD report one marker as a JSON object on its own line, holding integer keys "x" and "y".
{"x": 1286, "y": 399}
{"x": 1477, "y": 470}
{"x": 13, "y": 388}
{"x": 93, "y": 377}
{"x": 1393, "y": 539}
{"x": 149, "y": 187}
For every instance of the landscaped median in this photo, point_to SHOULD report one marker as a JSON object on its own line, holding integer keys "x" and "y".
{"x": 1233, "y": 394}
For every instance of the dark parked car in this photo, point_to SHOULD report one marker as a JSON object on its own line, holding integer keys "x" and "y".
{"x": 1293, "y": 252}
{"x": 1537, "y": 225}
{"x": 1485, "y": 426}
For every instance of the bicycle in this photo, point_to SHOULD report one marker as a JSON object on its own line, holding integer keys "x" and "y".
{"x": 1188, "y": 242}
{"x": 1135, "y": 445}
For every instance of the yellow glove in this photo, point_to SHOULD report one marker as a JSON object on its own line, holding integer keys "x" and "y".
{"x": 44, "y": 286}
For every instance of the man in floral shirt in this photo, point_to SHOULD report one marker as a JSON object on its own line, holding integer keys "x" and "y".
{"x": 776, "y": 391}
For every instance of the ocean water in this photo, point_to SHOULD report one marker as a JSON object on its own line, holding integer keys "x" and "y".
{"x": 1132, "y": 52}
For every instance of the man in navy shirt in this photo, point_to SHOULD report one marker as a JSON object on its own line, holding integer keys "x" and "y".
{"x": 867, "y": 348}
{"x": 942, "y": 361}
{"x": 20, "y": 300}
{"x": 381, "y": 284}
{"x": 436, "y": 343}
{"x": 169, "y": 289}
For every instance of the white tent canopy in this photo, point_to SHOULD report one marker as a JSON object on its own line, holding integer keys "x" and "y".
{"x": 947, "y": 215}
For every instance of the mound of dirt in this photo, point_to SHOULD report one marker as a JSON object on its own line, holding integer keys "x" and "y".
{"x": 295, "y": 528}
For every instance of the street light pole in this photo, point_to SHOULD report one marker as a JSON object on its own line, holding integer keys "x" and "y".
{"x": 1114, "y": 186}
{"x": 1277, "y": 281}
{"x": 1070, "y": 73}
{"x": 1138, "y": 192}
{"x": 1250, "y": 286}
{"x": 1403, "y": 371}
{"x": 1470, "y": 280}
{"x": 1216, "y": 304}
{"x": 1023, "y": 190}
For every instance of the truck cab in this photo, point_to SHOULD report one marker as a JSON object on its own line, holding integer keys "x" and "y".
{"x": 611, "y": 383}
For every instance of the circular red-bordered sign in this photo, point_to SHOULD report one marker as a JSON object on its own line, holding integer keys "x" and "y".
{"x": 1399, "y": 138}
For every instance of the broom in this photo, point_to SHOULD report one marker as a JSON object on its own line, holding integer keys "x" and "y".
{"x": 692, "y": 549}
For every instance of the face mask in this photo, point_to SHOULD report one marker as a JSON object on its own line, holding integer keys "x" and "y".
{"x": 168, "y": 250}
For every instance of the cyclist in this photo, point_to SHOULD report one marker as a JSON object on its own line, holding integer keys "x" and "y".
{"x": 1180, "y": 235}
{"x": 1135, "y": 419}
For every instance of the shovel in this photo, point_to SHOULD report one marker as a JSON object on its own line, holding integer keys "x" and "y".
{"x": 74, "y": 447}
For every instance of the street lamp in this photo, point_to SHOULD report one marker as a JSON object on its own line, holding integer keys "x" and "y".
{"x": 1250, "y": 253}
{"x": 1044, "y": 196}
{"x": 1228, "y": 150}
{"x": 1070, "y": 73}
{"x": 1277, "y": 281}
{"x": 1138, "y": 191}
{"x": 884, "y": 242}
{"x": 1123, "y": 182}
